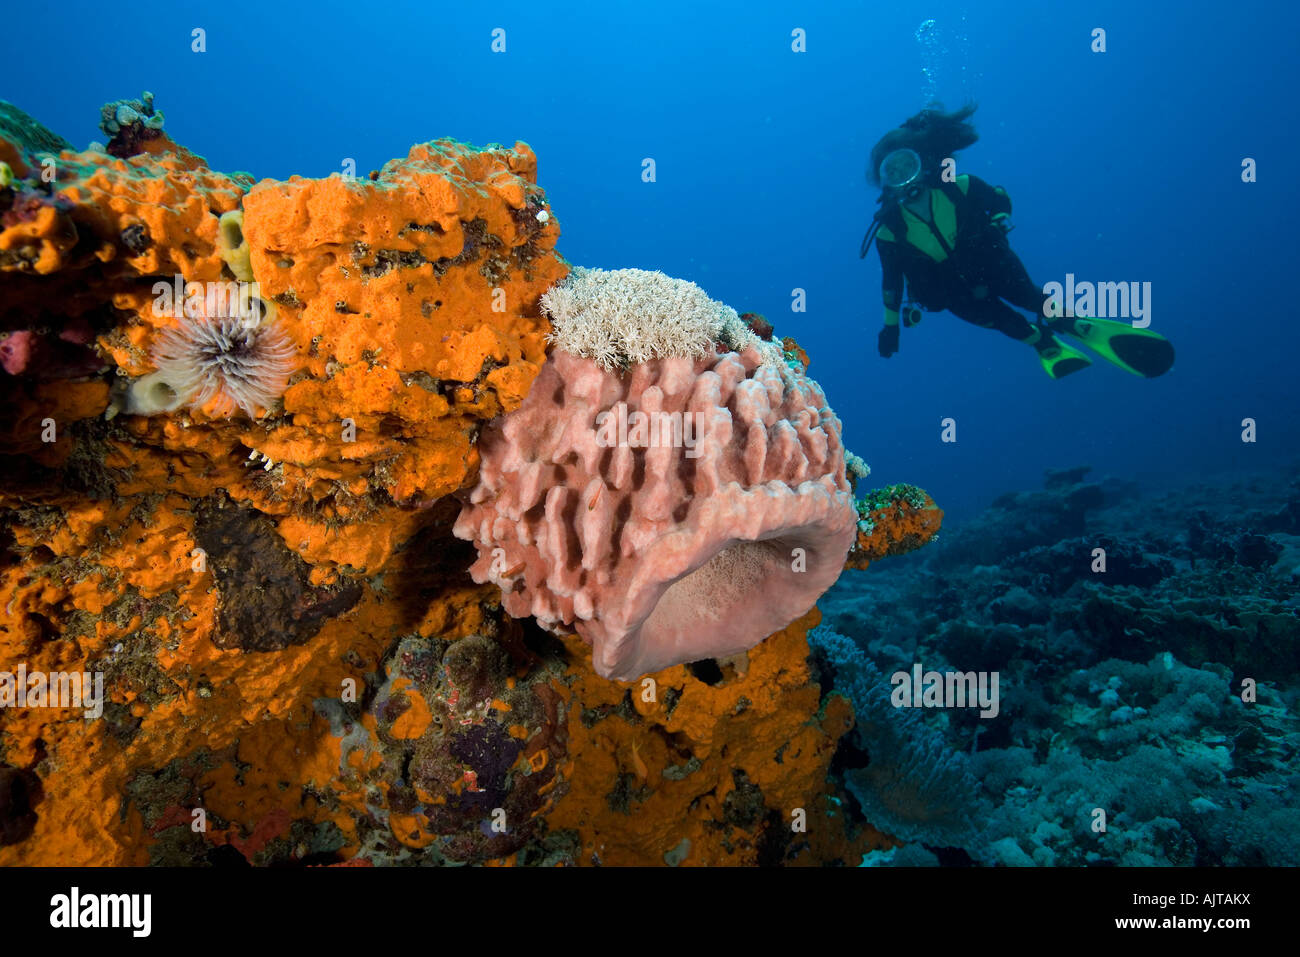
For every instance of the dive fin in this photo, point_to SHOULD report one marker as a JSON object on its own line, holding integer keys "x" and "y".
{"x": 1140, "y": 352}
{"x": 1059, "y": 358}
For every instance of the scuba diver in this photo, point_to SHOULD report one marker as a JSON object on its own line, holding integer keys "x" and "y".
{"x": 944, "y": 241}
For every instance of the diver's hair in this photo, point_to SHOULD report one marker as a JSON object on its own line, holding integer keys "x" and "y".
{"x": 934, "y": 135}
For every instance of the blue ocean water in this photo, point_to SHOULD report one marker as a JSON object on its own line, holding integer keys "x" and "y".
{"x": 1122, "y": 166}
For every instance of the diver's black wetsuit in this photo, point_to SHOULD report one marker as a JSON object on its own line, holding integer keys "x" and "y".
{"x": 959, "y": 261}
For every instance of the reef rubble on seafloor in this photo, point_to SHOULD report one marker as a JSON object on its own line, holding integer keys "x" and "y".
{"x": 1146, "y": 643}
{"x": 242, "y": 420}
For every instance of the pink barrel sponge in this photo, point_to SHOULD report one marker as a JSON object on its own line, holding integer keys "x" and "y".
{"x": 684, "y": 509}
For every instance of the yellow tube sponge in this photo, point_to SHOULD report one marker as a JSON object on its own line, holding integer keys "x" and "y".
{"x": 232, "y": 246}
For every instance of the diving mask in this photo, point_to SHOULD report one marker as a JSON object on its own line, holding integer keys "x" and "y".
{"x": 901, "y": 171}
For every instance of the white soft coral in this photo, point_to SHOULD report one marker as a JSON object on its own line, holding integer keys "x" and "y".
{"x": 621, "y": 317}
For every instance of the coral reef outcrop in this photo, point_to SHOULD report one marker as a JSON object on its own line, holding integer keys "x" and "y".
{"x": 894, "y": 520}
{"x": 296, "y": 665}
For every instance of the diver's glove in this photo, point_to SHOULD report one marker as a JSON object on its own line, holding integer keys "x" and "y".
{"x": 888, "y": 341}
